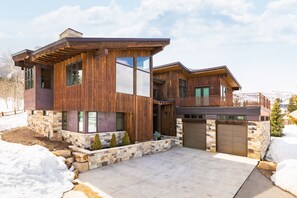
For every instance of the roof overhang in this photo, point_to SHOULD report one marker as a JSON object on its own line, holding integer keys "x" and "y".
{"x": 69, "y": 47}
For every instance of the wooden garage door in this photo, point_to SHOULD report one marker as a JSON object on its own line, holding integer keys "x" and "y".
{"x": 194, "y": 135}
{"x": 232, "y": 139}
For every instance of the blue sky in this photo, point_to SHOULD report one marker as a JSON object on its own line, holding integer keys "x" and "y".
{"x": 257, "y": 40}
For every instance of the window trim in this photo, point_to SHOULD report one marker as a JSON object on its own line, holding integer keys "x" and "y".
{"x": 184, "y": 87}
{"x": 29, "y": 78}
{"x": 77, "y": 73}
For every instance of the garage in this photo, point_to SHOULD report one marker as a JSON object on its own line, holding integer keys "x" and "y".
{"x": 194, "y": 134}
{"x": 232, "y": 138}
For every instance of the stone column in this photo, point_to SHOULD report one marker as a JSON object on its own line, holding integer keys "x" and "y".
{"x": 211, "y": 135}
{"x": 179, "y": 132}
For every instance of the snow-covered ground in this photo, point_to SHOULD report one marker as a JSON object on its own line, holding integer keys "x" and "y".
{"x": 283, "y": 151}
{"x": 13, "y": 121}
{"x": 32, "y": 171}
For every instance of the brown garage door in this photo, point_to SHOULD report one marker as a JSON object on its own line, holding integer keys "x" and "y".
{"x": 194, "y": 135}
{"x": 232, "y": 139}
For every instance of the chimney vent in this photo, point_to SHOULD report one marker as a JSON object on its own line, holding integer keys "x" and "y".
{"x": 70, "y": 33}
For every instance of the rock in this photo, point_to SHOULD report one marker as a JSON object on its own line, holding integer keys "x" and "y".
{"x": 75, "y": 174}
{"x": 80, "y": 157}
{"x": 71, "y": 168}
{"x": 69, "y": 161}
{"x": 81, "y": 166}
{"x": 63, "y": 153}
{"x": 265, "y": 165}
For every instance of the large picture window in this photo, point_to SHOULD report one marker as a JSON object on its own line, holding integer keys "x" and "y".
{"x": 143, "y": 83}
{"x": 143, "y": 63}
{"x": 124, "y": 75}
{"x": 80, "y": 121}
{"x": 92, "y": 121}
{"x": 29, "y": 78}
{"x": 74, "y": 73}
{"x": 46, "y": 78}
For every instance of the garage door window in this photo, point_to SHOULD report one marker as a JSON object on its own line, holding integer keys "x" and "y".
{"x": 231, "y": 117}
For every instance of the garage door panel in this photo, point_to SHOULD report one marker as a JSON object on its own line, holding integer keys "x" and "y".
{"x": 232, "y": 139}
{"x": 195, "y": 135}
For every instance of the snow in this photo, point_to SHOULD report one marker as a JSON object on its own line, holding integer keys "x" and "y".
{"x": 32, "y": 171}
{"x": 282, "y": 150}
{"x": 13, "y": 121}
{"x": 74, "y": 194}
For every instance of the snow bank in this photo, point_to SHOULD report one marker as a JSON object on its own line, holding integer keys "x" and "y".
{"x": 32, "y": 171}
{"x": 13, "y": 121}
{"x": 282, "y": 150}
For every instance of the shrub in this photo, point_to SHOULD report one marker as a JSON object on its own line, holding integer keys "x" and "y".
{"x": 97, "y": 143}
{"x": 113, "y": 141}
{"x": 126, "y": 139}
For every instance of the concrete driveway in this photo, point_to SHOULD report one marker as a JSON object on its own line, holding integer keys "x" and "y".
{"x": 179, "y": 172}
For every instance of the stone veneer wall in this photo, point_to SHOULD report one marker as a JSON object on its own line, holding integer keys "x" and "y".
{"x": 258, "y": 138}
{"x": 47, "y": 125}
{"x": 109, "y": 156}
{"x": 84, "y": 140}
{"x": 179, "y": 132}
{"x": 211, "y": 135}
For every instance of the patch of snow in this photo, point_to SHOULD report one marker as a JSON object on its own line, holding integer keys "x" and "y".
{"x": 282, "y": 150}
{"x": 32, "y": 171}
{"x": 13, "y": 121}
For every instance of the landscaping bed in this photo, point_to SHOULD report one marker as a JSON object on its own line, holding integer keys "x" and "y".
{"x": 26, "y": 136}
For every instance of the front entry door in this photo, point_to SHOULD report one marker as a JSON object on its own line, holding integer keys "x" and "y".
{"x": 202, "y": 96}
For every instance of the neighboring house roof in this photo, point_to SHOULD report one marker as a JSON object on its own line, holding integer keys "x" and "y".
{"x": 200, "y": 72}
{"x": 71, "y": 46}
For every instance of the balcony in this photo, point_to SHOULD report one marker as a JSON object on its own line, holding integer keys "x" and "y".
{"x": 254, "y": 99}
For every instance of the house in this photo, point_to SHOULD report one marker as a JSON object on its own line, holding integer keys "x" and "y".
{"x": 198, "y": 109}
{"x": 77, "y": 86}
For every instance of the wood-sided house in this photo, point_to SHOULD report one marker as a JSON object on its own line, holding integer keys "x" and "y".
{"x": 81, "y": 85}
{"x": 197, "y": 107}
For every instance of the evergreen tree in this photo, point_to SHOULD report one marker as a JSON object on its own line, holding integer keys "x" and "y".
{"x": 276, "y": 122}
{"x": 292, "y": 106}
{"x": 126, "y": 139}
{"x": 113, "y": 141}
{"x": 97, "y": 143}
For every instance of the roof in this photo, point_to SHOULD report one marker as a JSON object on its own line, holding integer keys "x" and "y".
{"x": 200, "y": 72}
{"x": 71, "y": 46}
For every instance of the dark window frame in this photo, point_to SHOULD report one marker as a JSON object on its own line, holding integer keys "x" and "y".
{"x": 232, "y": 117}
{"x": 46, "y": 76}
{"x": 182, "y": 88}
{"x": 29, "y": 78}
{"x": 73, "y": 76}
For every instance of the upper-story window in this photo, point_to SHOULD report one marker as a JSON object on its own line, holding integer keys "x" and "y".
{"x": 74, "y": 73}
{"x": 143, "y": 76}
{"x": 29, "y": 78}
{"x": 46, "y": 78}
{"x": 223, "y": 92}
{"x": 124, "y": 75}
{"x": 182, "y": 88}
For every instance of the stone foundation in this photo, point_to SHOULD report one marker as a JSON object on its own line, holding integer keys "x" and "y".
{"x": 105, "y": 157}
{"x": 85, "y": 140}
{"x": 48, "y": 125}
{"x": 258, "y": 138}
{"x": 211, "y": 135}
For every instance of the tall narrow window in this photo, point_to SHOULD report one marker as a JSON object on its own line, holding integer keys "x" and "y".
{"x": 74, "y": 73}
{"x": 124, "y": 75}
{"x": 80, "y": 121}
{"x": 92, "y": 121}
{"x": 223, "y": 93}
{"x": 182, "y": 88}
{"x": 143, "y": 76}
{"x": 120, "y": 121}
{"x": 64, "y": 120}
{"x": 29, "y": 78}
{"x": 46, "y": 78}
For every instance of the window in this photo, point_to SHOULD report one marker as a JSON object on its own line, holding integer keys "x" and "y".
{"x": 195, "y": 116}
{"x": 45, "y": 113}
{"x": 29, "y": 78}
{"x": 182, "y": 88}
{"x": 120, "y": 121}
{"x": 64, "y": 120}
{"x": 80, "y": 121}
{"x": 231, "y": 117}
{"x": 187, "y": 116}
{"x": 92, "y": 121}
{"x": 143, "y": 83}
{"x": 74, "y": 73}
{"x": 46, "y": 78}
{"x": 143, "y": 63}
{"x": 223, "y": 93}
{"x": 124, "y": 75}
